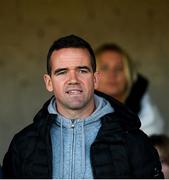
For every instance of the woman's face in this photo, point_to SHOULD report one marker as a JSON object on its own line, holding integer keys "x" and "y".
{"x": 112, "y": 80}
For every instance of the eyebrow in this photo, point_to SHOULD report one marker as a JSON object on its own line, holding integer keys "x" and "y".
{"x": 59, "y": 70}
{"x": 65, "y": 69}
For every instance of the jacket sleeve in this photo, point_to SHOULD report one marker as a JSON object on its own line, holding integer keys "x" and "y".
{"x": 143, "y": 157}
{"x": 10, "y": 162}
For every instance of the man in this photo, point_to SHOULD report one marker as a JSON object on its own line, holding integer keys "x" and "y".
{"x": 79, "y": 134}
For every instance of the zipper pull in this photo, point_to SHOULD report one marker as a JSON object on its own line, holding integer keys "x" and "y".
{"x": 73, "y": 123}
{"x": 72, "y": 126}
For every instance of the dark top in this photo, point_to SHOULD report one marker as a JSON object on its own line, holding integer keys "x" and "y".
{"x": 136, "y": 94}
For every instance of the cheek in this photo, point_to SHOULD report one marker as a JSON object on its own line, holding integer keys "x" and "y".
{"x": 103, "y": 78}
{"x": 90, "y": 84}
{"x": 122, "y": 80}
{"x": 104, "y": 75}
{"x": 57, "y": 87}
{"x": 96, "y": 84}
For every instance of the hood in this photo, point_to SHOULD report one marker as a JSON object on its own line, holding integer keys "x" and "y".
{"x": 123, "y": 116}
{"x": 103, "y": 107}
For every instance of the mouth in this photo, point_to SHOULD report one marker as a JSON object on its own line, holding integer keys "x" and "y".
{"x": 111, "y": 83}
{"x": 74, "y": 92}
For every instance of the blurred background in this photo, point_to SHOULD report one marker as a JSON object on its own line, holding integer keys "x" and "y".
{"x": 28, "y": 28}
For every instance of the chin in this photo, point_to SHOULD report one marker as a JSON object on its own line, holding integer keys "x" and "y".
{"x": 76, "y": 106}
{"x": 110, "y": 93}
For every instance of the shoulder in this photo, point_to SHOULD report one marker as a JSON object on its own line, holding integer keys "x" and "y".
{"x": 28, "y": 136}
{"x": 144, "y": 158}
{"x": 26, "y": 133}
{"x": 133, "y": 149}
{"x": 38, "y": 127}
{"x": 21, "y": 143}
{"x": 27, "y": 144}
{"x": 138, "y": 141}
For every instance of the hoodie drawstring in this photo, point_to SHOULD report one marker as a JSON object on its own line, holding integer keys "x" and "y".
{"x": 83, "y": 152}
{"x": 61, "y": 150}
{"x": 73, "y": 151}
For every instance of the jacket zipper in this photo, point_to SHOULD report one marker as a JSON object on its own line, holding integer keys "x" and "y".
{"x": 73, "y": 141}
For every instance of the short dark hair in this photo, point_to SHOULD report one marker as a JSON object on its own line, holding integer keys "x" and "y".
{"x": 71, "y": 41}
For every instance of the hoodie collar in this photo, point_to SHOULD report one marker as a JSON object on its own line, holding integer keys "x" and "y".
{"x": 103, "y": 107}
{"x": 126, "y": 118}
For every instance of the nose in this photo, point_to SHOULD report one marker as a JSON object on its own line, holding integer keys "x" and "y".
{"x": 73, "y": 78}
{"x": 113, "y": 73}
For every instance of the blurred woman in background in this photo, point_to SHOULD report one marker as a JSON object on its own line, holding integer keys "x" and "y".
{"x": 119, "y": 80}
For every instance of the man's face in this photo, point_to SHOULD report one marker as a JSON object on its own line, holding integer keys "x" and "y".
{"x": 112, "y": 80}
{"x": 72, "y": 79}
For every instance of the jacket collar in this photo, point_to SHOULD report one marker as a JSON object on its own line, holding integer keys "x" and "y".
{"x": 121, "y": 119}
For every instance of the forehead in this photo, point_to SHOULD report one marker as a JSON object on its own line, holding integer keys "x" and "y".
{"x": 69, "y": 57}
{"x": 111, "y": 57}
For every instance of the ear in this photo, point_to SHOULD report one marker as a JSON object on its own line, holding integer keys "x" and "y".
{"x": 48, "y": 82}
{"x": 96, "y": 79}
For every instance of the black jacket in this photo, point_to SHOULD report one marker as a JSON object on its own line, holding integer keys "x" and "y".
{"x": 120, "y": 149}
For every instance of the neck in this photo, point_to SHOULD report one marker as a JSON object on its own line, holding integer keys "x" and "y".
{"x": 77, "y": 113}
{"x": 120, "y": 98}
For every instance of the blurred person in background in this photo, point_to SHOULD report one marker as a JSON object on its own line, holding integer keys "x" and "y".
{"x": 161, "y": 143}
{"x": 119, "y": 79}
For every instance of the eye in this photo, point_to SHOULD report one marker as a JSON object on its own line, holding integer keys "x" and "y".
{"x": 83, "y": 71}
{"x": 104, "y": 68}
{"x": 118, "y": 69}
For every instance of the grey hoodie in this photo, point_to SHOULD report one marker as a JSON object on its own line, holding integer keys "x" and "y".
{"x": 71, "y": 141}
